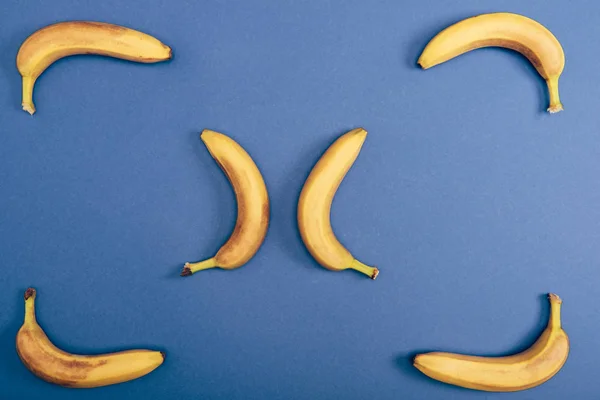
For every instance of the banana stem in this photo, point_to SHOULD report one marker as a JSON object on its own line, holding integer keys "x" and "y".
{"x": 27, "y": 103}
{"x": 371, "y": 272}
{"x": 555, "y": 303}
{"x": 192, "y": 268}
{"x": 555, "y": 104}
{"x": 30, "y": 305}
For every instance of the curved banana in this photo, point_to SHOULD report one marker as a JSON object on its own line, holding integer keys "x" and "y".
{"x": 511, "y": 31}
{"x": 54, "y": 42}
{"x": 314, "y": 206}
{"x": 53, "y": 365}
{"x": 521, "y": 371}
{"x": 252, "y": 204}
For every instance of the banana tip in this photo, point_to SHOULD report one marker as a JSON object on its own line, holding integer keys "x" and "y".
{"x": 553, "y": 109}
{"x": 30, "y": 108}
{"x": 554, "y": 298}
{"x": 164, "y": 355}
{"x": 416, "y": 360}
{"x": 30, "y": 292}
{"x": 207, "y": 134}
{"x": 375, "y": 274}
{"x": 187, "y": 271}
{"x": 170, "y": 57}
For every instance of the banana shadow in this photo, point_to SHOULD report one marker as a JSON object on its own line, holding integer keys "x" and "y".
{"x": 9, "y": 47}
{"x": 404, "y": 361}
{"x": 529, "y": 72}
{"x": 284, "y": 222}
{"x": 221, "y": 189}
{"x": 417, "y": 45}
{"x": 174, "y": 272}
{"x": 11, "y": 366}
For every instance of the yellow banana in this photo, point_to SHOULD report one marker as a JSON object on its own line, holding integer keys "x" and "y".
{"x": 525, "y": 370}
{"x": 511, "y": 31}
{"x": 314, "y": 205}
{"x": 53, "y": 365}
{"x": 252, "y": 204}
{"x": 54, "y": 42}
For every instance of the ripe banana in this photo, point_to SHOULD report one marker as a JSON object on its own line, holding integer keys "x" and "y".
{"x": 54, "y": 42}
{"x": 525, "y": 370}
{"x": 53, "y": 365}
{"x": 511, "y": 31}
{"x": 252, "y": 204}
{"x": 314, "y": 206}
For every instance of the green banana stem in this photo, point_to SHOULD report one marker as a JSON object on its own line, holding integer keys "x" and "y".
{"x": 555, "y": 104}
{"x": 371, "y": 272}
{"x": 30, "y": 305}
{"x": 192, "y": 268}
{"x": 555, "y": 303}
{"x": 27, "y": 102}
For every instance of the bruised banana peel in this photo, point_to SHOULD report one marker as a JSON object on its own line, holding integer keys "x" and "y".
{"x": 54, "y": 365}
{"x": 252, "y": 204}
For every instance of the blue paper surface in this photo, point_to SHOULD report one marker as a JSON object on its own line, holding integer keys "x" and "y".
{"x": 469, "y": 198}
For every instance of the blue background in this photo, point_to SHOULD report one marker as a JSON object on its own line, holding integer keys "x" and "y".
{"x": 471, "y": 200}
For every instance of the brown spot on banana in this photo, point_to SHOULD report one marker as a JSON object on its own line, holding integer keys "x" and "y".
{"x": 29, "y": 293}
{"x": 39, "y": 361}
{"x": 54, "y": 365}
{"x": 99, "y": 25}
{"x": 266, "y": 213}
